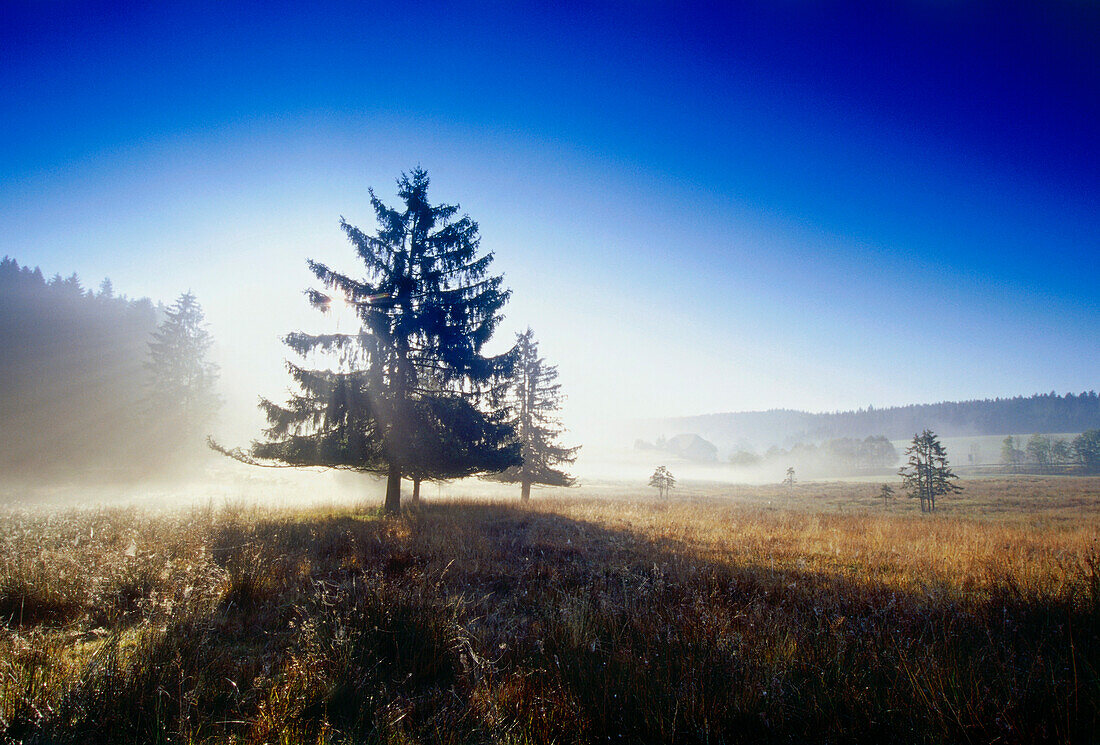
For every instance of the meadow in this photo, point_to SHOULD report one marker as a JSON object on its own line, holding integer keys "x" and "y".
{"x": 600, "y": 614}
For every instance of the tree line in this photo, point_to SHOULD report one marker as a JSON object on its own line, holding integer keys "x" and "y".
{"x": 1047, "y": 453}
{"x": 95, "y": 383}
{"x": 1042, "y": 412}
{"x": 839, "y": 456}
{"x": 925, "y": 475}
{"x": 836, "y": 457}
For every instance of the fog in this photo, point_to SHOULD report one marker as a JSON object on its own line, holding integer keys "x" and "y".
{"x": 642, "y": 355}
{"x": 83, "y": 426}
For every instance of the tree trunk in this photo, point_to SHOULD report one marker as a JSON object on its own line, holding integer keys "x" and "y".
{"x": 525, "y": 491}
{"x": 393, "y": 492}
{"x": 416, "y": 493}
{"x": 925, "y": 486}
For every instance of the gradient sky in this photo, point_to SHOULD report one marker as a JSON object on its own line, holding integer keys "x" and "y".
{"x": 699, "y": 207}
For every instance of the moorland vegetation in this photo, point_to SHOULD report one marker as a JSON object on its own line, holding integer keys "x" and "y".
{"x": 814, "y": 614}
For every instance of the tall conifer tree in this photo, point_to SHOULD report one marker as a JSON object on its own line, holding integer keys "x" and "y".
{"x": 182, "y": 398}
{"x": 535, "y": 399}
{"x": 412, "y": 394}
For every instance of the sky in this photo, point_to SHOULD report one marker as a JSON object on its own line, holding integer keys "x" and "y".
{"x": 698, "y": 207}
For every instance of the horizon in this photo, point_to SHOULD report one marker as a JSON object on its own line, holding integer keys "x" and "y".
{"x": 870, "y": 407}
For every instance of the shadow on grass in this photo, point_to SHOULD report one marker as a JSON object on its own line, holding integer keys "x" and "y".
{"x": 476, "y": 622}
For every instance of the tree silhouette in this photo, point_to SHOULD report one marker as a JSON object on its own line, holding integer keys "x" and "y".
{"x": 663, "y": 480}
{"x": 411, "y": 393}
{"x": 181, "y": 378}
{"x": 926, "y": 474}
{"x": 877, "y": 452}
{"x": 535, "y": 398}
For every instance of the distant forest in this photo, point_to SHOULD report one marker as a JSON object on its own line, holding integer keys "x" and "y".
{"x": 72, "y": 370}
{"x": 78, "y": 380}
{"x": 1044, "y": 412}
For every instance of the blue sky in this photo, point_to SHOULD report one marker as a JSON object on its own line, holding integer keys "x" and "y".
{"x": 699, "y": 207}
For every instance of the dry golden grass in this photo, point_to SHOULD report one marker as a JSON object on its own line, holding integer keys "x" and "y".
{"x": 760, "y": 615}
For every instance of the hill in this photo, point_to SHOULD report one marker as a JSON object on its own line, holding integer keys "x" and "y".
{"x": 1042, "y": 412}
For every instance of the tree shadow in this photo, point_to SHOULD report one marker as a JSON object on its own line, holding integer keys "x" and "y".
{"x": 477, "y": 621}
{"x": 572, "y": 628}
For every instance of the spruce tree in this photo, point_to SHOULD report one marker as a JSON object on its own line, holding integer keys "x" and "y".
{"x": 411, "y": 393}
{"x": 535, "y": 398}
{"x": 73, "y": 377}
{"x": 181, "y": 379}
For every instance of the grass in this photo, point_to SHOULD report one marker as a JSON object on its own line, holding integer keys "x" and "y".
{"x": 820, "y": 617}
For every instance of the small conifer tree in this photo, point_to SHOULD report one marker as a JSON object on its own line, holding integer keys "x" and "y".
{"x": 663, "y": 481}
{"x": 927, "y": 474}
{"x": 887, "y": 493}
{"x": 789, "y": 481}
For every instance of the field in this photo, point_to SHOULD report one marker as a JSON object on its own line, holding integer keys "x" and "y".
{"x": 728, "y": 614}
